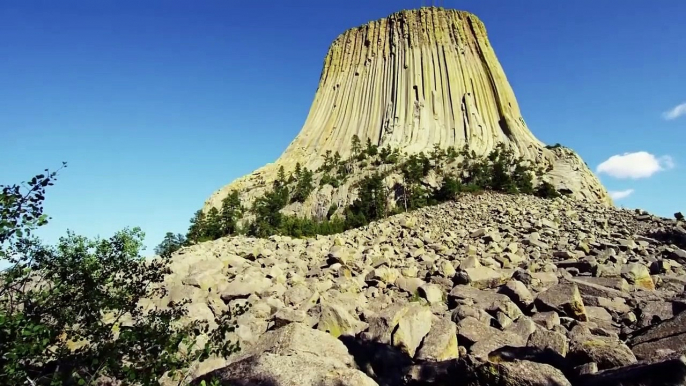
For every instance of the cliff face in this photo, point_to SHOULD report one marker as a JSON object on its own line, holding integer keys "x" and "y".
{"x": 412, "y": 80}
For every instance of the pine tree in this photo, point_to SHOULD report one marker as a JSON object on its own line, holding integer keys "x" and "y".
{"x": 356, "y": 145}
{"x": 213, "y": 225}
{"x": 298, "y": 170}
{"x": 197, "y": 228}
{"x": 230, "y": 213}
{"x": 170, "y": 244}
{"x": 371, "y": 150}
{"x": 304, "y": 186}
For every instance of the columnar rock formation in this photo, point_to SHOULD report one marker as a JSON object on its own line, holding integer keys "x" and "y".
{"x": 412, "y": 80}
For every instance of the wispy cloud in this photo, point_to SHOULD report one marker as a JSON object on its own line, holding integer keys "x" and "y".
{"x": 619, "y": 194}
{"x": 636, "y": 165}
{"x": 675, "y": 112}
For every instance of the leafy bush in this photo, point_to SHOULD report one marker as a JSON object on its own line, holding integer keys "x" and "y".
{"x": 546, "y": 190}
{"x": 70, "y": 313}
{"x": 450, "y": 187}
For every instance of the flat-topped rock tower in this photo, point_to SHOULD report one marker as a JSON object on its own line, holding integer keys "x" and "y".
{"x": 412, "y": 80}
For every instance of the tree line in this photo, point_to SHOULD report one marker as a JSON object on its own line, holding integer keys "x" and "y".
{"x": 500, "y": 170}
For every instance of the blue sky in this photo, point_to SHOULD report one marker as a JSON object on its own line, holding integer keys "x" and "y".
{"x": 155, "y": 104}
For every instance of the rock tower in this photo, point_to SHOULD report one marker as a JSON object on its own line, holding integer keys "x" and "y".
{"x": 412, "y": 80}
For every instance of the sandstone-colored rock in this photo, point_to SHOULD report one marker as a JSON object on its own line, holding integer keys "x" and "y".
{"x": 484, "y": 277}
{"x": 639, "y": 276}
{"x": 517, "y": 291}
{"x": 520, "y": 373}
{"x": 432, "y": 293}
{"x": 293, "y": 355}
{"x": 412, "y": 328}
{"x": 668, "y": 334}
{"x": 607, "y": 352}
{"x": 543, "y": 339}
{"x": 564, "y": 299}
{"x": 337, "y": 321}
{"x": 440, "y": 343}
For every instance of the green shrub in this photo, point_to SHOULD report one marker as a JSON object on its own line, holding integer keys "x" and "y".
{"x": 546, "y": 190}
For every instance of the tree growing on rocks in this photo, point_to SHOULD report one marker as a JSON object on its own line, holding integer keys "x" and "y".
{"x": 70, "y": 313}
{"x": 196, "y": 231}
{"x": 303, "y": 186}
{"x": 170, "y": 244}
{"x": 231, "y": 212}
{"x": 500, "y": 170}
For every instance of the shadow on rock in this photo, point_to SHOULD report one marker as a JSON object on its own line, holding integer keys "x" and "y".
{"x": 382, "y": 362}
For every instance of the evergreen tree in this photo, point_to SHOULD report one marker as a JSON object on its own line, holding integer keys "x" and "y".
{"x": 303, "y": 187}
{"x": 371, "y": 149}
{"x": 449, "y": 189}
{"x": 298, "y": 170}
{"x": 280, "y": 178}
{"x": 231, "y": 212}
{"x": 356, "y": 145}
{"x": 371, "y": 201}
{"x": 213, "y": 225}
{"x": 267, "y": 213}
{"x": 197, "y": 228}
{"x": 170, "y": 244}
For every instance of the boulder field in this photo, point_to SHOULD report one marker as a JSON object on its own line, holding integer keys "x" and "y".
{"x": 490, "y": 289}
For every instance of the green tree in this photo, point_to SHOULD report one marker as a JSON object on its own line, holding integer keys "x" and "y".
{"x": 298, "y": 170}
{"x": 356, "y": 145}
{"x": 280, "y": 178}
{"x": 413, "y": 170}
{"x": 267, "y": 210}
{"x": 303, "y": 187}
{"x": 371, "y": 202}
{"x": 213, "y": 225}
{"x": 196, "y": 230}
{"x": 231, "y": 212}
{"x": 546, "y": 190}
{"x": 170, "y": 244}
{"x": 371, "y": 149}
{"x": 450, "y": 187}
{"x": 70, "y": 313}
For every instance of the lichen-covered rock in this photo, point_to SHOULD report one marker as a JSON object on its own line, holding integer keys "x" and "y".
{"x": 607, "y": 352}
{"x": 290, "y": 356}
{"x": 519, "y": 373}
{"x": 564, "y": 299}
{"x": 440, "y": 343}
{"x": 412, "y": 328}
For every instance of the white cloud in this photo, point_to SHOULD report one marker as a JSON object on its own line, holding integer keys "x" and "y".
{"x": 676, "y": 112}
{"x": 619, "y": 194}
{"x": 636, "y": 165}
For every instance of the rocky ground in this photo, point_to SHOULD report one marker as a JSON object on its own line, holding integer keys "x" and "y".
{"x": 490, "y": 289}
